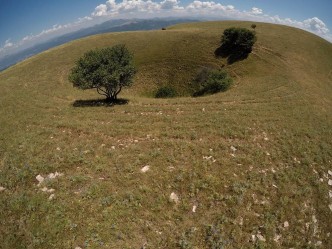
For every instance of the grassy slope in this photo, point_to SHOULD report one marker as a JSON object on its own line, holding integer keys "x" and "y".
{"x": 278, "y": 116}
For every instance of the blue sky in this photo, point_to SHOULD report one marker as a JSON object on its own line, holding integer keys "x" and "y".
{"x": 27, "y": 22}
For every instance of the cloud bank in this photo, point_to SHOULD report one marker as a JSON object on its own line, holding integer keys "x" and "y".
{"x": 148, "y": 9}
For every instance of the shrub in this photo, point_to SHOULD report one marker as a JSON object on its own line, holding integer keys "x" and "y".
{"x": 107, "y": 70}
{"x": 236, "y": 44}
{"x": 240, "y": 39}
{"x": 165, "y": 92}
{"x": 210, "y": 82}
{"x": 253, "y": 26}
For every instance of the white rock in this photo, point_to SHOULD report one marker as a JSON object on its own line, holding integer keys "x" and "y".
{"x": 253, "y": 237}
{"x": 261, "y": 237}
{"x": 54, "y": 175}
{"x": 2, "y": 189}
{"x": 58, "y": 148}
{"x": 330, "y": 193}
{"x": 330, "y": 182}
{"x": 233, "y": 148}
{"x": 51, "y": 197}
{"x": 330, "y": 206}
{"x": 330, "y": 172}
{"x": 194, "y": 208}
{"x": 145, "y": 168}
{"x": 277, "y": 237}
{"x": 77, "y": 247}
{"x": 40, "y": 179}
{"x": 44, "y": 189}
{"x": 51, "y": 190}
{"x": 286, "y": 224}
{"x": 173, "y": 197}
{"x": 314, "y": 219}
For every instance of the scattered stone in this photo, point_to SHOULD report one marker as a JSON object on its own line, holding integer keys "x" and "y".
{"x": 286, "y": 224}
{"x": 260, "y": 237}
{"x": 174, "y": 198}
{"x": 44, "y": 189}
{"x": 329, "y": 172}
{"x": 58, "y": 148}
{"x": 54, "y": 175}
{"x": 203, "y": 110}
{"x": 241, "y": 221}
{"x": 319, "y": 243}
{"x": 40, "y": 179}
{"x": 135, "y": 141}
{"x": 330, "y": 193}
{"x": 233, "y": 148}
{"x": 103, "y": 145}
{"x": 330, "y": 206}
{"x": 194, "y": 209}
{"x": 277, "y": 237}
{"x": 77, "y": 247}
{"x": 330, "y": 182}
{"x": 275, "y": 186}
{"x": 51, "y": 197}
{"x": 268, "y": 154}
{"x": 321, "y": 179}
{"x": 113, "y": 147}
{"x": 145, "y": 168}
{"x": 253, "y": 238}
{"x": 2, "y": 189}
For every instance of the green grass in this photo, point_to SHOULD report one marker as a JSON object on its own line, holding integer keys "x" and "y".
{"x": 277, "y": 115}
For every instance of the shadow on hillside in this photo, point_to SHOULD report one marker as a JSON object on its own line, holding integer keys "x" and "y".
{"x": 232, "y": 54}
{"x": 99, "y": 102}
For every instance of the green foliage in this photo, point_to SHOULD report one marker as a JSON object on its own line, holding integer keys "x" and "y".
{"x": 165, "y": 92}
{"x": 213, "y": 236}
{"x": 253, "y": 26}
{"x": 241, "y": 39}
{"x": 211, "y": 81}
{"x": 236, "y": 44}
{"x": 107, "y": 70}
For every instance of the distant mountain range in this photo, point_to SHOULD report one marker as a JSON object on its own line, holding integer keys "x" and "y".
{"x": 108, "y": 26}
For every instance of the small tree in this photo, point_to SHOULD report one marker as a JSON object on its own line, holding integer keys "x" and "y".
{"x": 240, "y": 39}
{"x": 253, "y": 26}
{"x": 107, "y": 70}
{"x": 236, "y": 44}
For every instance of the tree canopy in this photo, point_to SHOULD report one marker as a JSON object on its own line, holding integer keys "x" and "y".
{"x": 236, "y": 44}
{"x": 107, "y": 70}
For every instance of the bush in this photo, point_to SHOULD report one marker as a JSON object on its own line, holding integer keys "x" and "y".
{"x": 165, "y": 92}
{"x": 253, "y": 26}
{"x": 236, "y": 44}
{"x": 210, "y": 82}
{"x": 107, "y": 70}
{"x": 240, "y": 39}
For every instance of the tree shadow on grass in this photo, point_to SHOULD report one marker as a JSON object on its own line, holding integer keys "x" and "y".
{"x": 233, "y": 54}
{"x": 99, "y": 102}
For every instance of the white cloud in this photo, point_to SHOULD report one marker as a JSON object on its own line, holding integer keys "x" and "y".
{"x": 148, "y": 8}
{"x": 100, "y": 10}
{"x": 316, "y": 25}
{"x": 8, "y": 44}
{"x": 256, "y": 11}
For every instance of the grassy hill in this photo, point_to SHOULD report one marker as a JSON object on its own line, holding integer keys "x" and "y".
{"x": 251, "y": 162}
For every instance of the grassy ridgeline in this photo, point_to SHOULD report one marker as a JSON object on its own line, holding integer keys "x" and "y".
{"x": 250, "y": 159}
